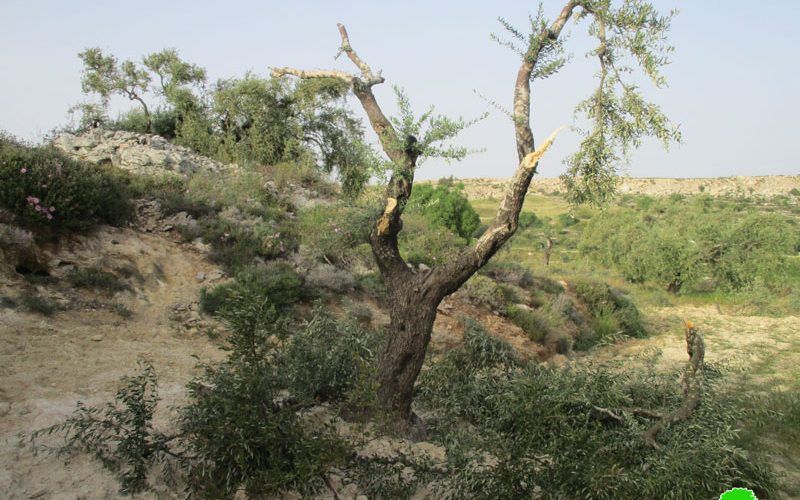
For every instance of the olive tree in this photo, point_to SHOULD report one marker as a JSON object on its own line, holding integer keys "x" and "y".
{"x": 631, "y": 33}
{"x": 105, "y": 75}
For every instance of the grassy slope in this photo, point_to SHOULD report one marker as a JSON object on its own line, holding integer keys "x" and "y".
{"x": 763, "y": 351}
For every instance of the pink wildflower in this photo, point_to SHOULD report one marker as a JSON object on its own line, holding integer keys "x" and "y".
{"x": 23, "y": 170}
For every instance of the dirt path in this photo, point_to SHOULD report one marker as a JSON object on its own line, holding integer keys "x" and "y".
{"x": 47, "y": 364}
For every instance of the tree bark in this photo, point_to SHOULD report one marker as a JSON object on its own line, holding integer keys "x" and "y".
{"x": 412, "y": 313}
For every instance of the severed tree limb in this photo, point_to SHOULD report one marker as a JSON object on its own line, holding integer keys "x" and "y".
{"x": 692, "y": 386}
{"x": 398, "y": 190}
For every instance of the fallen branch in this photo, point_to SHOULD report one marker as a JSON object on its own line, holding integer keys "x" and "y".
{"x": 692, "y": 386}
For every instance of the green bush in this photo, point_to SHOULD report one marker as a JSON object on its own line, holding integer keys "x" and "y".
{"x": 39, "y": 304}
{"x": 602, "y": 301}
{"x": 164, "y": 122}
{"x": 241, "y": 430}
{"x": 332, "y": 232}
{"x": 679, "y": 243}
{"x": 422, "y": 242}
{"x": 48, "y": 192}
{"x": 327, "y": 358}
{"x": 243, "y": 437}
{"x": 484, "y": 291}
{"x": 240, "y": 241}
{"x": 535, "y": 323}
{"x": 755, "y": 249}
{"x": 511, "y": 273}
{"x": 445, "y": 206}
{"x": 275, "y": 283}
{"x": 535, "y": 431}
{"x": 96, "y": 279}
{"x": 120, "y": 434}
{"x": 528, "y": 220}
{"x": 566, "y": 220}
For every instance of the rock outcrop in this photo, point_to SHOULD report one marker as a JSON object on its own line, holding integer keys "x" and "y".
{"x": 138, "y": 153}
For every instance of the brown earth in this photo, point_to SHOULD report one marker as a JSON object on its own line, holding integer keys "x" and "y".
{"x": 47, "y": 364}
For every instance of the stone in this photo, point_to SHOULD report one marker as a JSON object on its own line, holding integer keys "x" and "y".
{"x": 96, "y": 338}
{"x": 215, "y": 275}
{"x": 138, "y": 153}
{"x": 201, "y": 276}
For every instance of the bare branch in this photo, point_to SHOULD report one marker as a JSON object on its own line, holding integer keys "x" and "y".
{"x": 341, "y": 75}
{"x": 692, "y": 386}
{"x": 370, "y": 79}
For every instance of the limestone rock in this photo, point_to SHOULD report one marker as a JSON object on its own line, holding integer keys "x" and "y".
{"x": 138, "y": 153}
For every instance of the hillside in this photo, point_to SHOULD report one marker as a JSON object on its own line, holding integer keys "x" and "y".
{"x": 717, "y": 186}
{"x": 76, "y": 313}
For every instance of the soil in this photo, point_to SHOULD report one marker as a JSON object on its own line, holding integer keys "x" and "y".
{"x": 47, "y": 364}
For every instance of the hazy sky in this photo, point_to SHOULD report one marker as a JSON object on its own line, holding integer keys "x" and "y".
{"x": 733, "y": 83}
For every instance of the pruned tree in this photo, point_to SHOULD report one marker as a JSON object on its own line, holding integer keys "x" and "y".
{"x": 620, "y": 118}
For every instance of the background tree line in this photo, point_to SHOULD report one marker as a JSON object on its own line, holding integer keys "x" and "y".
{"x": 247, "y": 120}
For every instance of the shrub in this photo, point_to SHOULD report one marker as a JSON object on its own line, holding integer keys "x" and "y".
{"x": 755, "y": 249}
{"x": 240, "y": 430}
{"x": 567, "y": 220}
{"x": 602, "y": 301}
{"x": 511, "y": 273}
{"x": 328, "y": 357}
{"x": 446, "y": 206}
{"x": 119, "y": 434}
{"x": 277, "y": 284}
{"x": 535, "y": 323}
{"x": 677, "y": 244}
{"x": 238, "y": 242}
{"x": 484, "y": 291}
{"x": 96, "y": 279}
{"x": 422, "y": 242}
{"x": 332, "y": 232}
{"x": 545, "y": 436}
{"x": 51, "y": 193}
{"x": 528, "y": 220}
{"x": 39, "y": 304}
{"x": 330, "y": 278}
{"x": 244, "y": 437}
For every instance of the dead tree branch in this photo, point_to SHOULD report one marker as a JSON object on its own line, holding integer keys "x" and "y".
{"x": 692, "y": 386}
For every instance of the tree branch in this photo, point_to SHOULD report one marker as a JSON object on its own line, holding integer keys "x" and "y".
{"x": 451, "y": 276}
{"x": 369, "y": 78}
{"x": 692, "y": 386}
{"x": 522, "y": 86}
{"x": 340, "y": 75}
